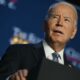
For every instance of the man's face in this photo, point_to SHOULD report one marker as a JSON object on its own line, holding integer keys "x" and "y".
{"x": 60, "y": 26}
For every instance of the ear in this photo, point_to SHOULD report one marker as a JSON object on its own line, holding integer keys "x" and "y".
{"x": 74, "y": 32}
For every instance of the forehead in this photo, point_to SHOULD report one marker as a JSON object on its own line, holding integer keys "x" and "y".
{"x": 65, "y": 10}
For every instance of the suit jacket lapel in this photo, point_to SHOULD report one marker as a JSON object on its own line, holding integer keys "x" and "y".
{"x": 66, "y": 62}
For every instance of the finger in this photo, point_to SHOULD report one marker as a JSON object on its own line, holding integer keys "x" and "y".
{"x": 14, "y": 76}
{"x": 17, "y": 76}
{"x": 20, "y": 73}
{"x": 25, "y": 72}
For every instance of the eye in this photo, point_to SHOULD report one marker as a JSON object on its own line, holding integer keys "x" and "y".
{"x": 55, "y": 17}
{"x": 67, "y": 20}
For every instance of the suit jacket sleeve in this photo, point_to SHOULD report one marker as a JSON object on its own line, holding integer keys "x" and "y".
{"x": 15, "y": 58}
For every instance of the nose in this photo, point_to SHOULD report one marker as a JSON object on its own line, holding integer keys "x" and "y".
{"x": 59, "y": 22}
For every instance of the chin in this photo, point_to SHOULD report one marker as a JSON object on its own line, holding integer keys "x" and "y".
{"x": 58, "y": 40}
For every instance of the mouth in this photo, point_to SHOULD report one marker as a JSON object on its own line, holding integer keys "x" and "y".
{"x": 58, "y": 31}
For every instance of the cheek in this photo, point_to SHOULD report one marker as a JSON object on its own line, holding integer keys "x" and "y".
{"x": 68, "y": 33}
{"x": 50, "y": 33}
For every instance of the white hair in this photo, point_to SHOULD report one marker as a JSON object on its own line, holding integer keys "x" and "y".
{"x": 64, "y": 3}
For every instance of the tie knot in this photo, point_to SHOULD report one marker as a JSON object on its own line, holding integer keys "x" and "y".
{"x": 55, "y": 56}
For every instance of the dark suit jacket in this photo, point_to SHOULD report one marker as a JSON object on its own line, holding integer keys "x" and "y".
{"x": 23, "y": 56}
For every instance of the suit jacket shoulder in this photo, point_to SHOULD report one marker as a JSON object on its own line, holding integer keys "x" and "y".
{"x": 20, "y": 56}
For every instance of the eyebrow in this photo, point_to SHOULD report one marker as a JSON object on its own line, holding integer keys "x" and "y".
{"x": 50, "y": 14}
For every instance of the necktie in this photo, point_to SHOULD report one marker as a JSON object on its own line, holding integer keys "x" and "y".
{"x": 55, "y": 57}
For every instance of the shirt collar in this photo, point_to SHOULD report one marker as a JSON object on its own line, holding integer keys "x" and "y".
{"x": 48, "y": 50}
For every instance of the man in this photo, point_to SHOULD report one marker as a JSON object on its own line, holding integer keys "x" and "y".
{"x": 22, "y": 62}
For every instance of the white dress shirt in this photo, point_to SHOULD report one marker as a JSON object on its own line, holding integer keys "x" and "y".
{"x": 48, "y": 52}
